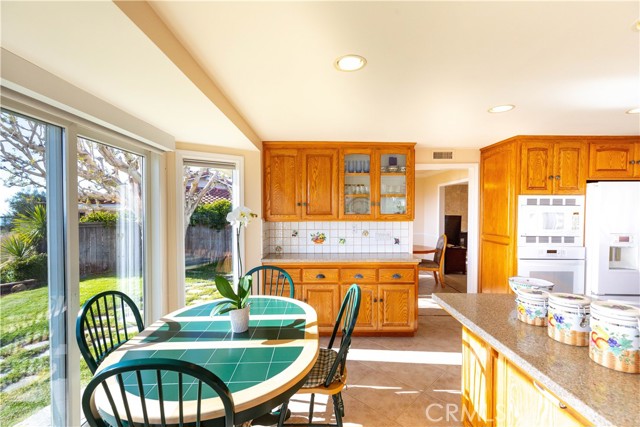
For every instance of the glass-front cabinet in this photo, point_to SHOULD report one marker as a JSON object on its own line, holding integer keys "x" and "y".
{"x": 376, "y": 183}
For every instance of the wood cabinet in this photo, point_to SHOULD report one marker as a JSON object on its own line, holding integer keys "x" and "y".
{"x": 495, "y": 392}
{"x": 538, "y": 165}
{"x": 553, "y": 167}
{"x": 340, "y": 181}
{"x": 389, "y": 304}
{"x": 615, "y": 158}
{"x": 300, "y": 184}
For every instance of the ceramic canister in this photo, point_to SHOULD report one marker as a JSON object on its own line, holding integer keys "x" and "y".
{"x": 532, "y": 306}
{"x": 519, "y": 282}
{"x": 615, "y": 336}
{"x": 568, "y": 316}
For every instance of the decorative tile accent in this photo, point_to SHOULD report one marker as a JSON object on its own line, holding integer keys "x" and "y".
{"x": 318, "y": 237}
{"x": 342, "y": 241}
{"x": 365, "y": 233}
{"x": 294, "y": 233}
{"x": 396, "y": 241}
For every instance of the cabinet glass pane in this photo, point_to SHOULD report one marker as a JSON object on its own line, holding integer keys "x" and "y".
{"x": 393, "y": 184}
{"x": 357, "y": 184}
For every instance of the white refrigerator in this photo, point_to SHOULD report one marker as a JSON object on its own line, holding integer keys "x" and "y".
{"x": 612, "y": 238}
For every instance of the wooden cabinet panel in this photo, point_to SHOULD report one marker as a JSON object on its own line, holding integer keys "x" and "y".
{"x": 497, "y": 265}
{"x": 368, "y": 316}
{"x": 537, "y": 168}
{"x": 498, "y": 196}
{"x": 570, "y": 168}
{"x": 325, "y": 299}
{"x": 400, "y": 275}
{"x": 396, "y": 307}
{"x": 320, "y": 275}
{"x": 281, "y": 190}
{"x": 615, "y": 160}
{"x": 358, "y": 275}
{"x": 477, "y": 381}
{"x": 387, "y": 308}
{"x": 320, "y": 181}
{"x": 553, "y": 167}
{"x": 521, "y": 401}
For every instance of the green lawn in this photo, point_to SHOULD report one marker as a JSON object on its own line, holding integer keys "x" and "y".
{"x": 24, "y": 322}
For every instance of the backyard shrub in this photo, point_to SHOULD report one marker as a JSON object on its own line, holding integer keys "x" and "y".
{"x": 212, "y": 215}
{"x": 33, "y": 267}
{"x": 104, "y": 217}
{"x": 15, "y": 247}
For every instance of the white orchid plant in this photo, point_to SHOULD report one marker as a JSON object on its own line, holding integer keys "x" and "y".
{"x": 235, "y": 299}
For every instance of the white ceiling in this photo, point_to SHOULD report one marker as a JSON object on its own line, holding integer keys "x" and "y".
{"x": 434, "y": 68}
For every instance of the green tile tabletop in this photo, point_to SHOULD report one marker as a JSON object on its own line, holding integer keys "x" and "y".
{"x": 262, "y": 367}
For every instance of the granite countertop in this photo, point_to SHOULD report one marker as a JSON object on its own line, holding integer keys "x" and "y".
{"x": 601, "y": 395}
{"x": 341, "y": 258}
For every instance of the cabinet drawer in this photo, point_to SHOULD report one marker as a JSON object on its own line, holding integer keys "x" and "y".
{"x": 357, "y": 275}
{"x": 390, "y": 275}
{"x": 320, "y": 275}
{"x": 295, "y": 275}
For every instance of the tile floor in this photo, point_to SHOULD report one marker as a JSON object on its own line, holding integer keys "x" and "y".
{"x": 406, "y": 382}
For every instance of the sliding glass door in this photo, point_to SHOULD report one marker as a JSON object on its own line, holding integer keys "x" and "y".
{"x": 32, "y": 305}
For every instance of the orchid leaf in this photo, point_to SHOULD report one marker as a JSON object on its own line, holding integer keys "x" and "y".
{"x": 225, "y": 289}
{"x": 244, "y": 286}
{"x": 222, "y": 309}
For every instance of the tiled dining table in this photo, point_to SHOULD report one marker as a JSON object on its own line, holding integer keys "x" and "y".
{"x": 262, "y": 367}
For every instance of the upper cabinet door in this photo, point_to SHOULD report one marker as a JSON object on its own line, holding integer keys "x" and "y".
{"x": 396, "y": 183}
{"x": 537, "y": 168}
{"x": 615, "y": 160}
{"x": 320, "y": 184}
{"x": 570, "y": 167}
{"x": 282, "y": 198}
{"x": 357, "y": 184}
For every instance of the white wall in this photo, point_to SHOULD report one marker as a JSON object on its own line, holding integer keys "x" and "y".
{"x": 426, "y": 227}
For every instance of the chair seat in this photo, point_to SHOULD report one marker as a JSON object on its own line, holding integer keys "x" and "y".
{"x": 320, "y": 370}
{"x": 427, "y": 263}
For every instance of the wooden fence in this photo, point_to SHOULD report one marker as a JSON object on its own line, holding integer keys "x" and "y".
{"x": 98, "y": 247}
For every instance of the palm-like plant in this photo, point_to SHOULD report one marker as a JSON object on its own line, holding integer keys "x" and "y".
{"x": 32, "y": 226}
{"x": 15, "y": 247}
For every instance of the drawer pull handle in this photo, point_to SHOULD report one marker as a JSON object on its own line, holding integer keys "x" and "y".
{"x": 320, "y": 276}
{"x": 557, "y": 177}
{"x": 358, "y": 276}
{"x": 633, "y": 162}
{"x": 549, "y": 396}
{"x": 397, "y": 276}
{"x": 281, "y": 276}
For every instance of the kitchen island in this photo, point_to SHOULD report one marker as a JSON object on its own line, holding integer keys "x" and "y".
{"x": 389, "y": 284}
{"x": 513, "y": 373}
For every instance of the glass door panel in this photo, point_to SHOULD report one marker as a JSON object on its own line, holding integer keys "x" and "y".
{"x": 111, "y": 225}
{"x": 32, "y": 336}
{"x": 393, "y": 184}
{"x": 357, "y": 184}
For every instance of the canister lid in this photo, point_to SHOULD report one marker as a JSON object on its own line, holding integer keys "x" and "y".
{"x": 533, "y": 294}
{"x": 615, "y": 310}
{"x": 569, "y": 300}
{"x": 530, "y": 282}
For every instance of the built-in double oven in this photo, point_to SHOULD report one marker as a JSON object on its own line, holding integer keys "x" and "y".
{"x": 550, "y": 240}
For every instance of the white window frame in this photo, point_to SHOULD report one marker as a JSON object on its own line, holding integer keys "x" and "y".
{"x": 154, "y": 232}
{"x": 181, "y": 157}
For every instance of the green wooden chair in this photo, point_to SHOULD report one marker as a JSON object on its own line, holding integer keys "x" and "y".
{"x": 105, "y": 322}
{"x": 271, "y": 280}
{"x": 156, "y": 389}
{"x": 329, "y": 374}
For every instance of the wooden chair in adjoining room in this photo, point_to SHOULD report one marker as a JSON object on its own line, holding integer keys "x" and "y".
{"x": 436, "y": 266}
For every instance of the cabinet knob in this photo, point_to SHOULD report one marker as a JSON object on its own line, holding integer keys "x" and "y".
{"x": 633, "y": 162}
{"x": 549, "y": 396}
{"x": 298, "y": 204}
{"x": 320, "y": 276}
{"x": 375, "y": 300}
{"x": 358, "y": 276}
{"x": 557, "y": 177}
{"x": 550, "y": 176}
{"x": 396, "y": 276}
{"x": 381, "y": 299}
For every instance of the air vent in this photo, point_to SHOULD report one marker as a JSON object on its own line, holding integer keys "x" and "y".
{"x": 443, "y": 155}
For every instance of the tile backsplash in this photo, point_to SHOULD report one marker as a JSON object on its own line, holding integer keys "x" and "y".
{"x": 336, "y": 237}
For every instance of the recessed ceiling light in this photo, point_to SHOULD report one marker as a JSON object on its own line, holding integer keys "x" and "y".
{"x": 501, "y": 108}
{"x": 350, "y": 62}
{"x": 634, "y": 111}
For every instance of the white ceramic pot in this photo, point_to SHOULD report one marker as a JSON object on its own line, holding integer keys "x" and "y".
{"x": 519, "y": 282}
{"x": 569, "y": 318}
{"x": 532, "y": 306}
{"x": 239, "y": 320}
{"x": 615, "y": 336}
